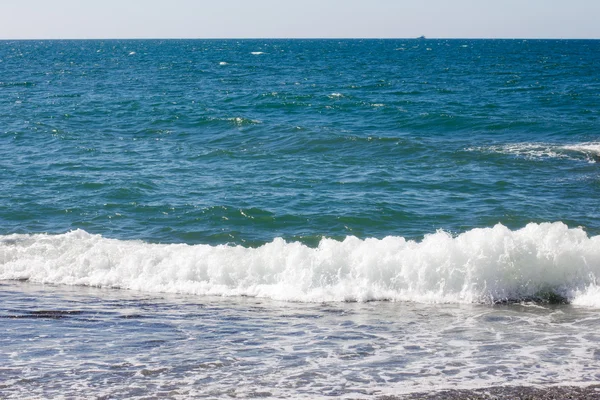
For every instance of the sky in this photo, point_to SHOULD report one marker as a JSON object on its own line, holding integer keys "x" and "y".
{"x": 93, "y": 19}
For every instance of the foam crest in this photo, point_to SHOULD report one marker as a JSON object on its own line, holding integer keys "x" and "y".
{"x": 589, "y": 151}
{"x": 545, "y": 261}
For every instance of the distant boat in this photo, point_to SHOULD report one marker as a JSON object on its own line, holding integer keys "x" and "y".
{"x": 421, "y": 37}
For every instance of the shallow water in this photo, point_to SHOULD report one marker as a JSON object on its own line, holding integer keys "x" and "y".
{"x": 76, "y": 341}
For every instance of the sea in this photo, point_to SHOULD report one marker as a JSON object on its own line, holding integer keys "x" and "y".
{"x": 296, "y": 219}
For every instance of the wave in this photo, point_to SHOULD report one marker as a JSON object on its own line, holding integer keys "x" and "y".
{"x": 545, "y": 262}
{"x": 589, "y": 151}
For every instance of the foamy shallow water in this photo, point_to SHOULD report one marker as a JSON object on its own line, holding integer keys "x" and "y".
{"x": 62, "y": 341}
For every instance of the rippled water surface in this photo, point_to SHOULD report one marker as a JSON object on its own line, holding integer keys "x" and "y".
{"x": 297, "y": 218}
{"x": 243, "y": 141}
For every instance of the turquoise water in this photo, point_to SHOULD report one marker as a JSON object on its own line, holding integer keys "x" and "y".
{"x": 297, "y": 218}
{"x": 244, "y": 141}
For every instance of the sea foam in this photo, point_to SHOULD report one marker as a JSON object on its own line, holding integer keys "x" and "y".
{"x": 589, "y": 151}
{"x": 545, "y": 261}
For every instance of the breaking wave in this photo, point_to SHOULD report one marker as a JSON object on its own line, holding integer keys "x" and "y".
{"x": 589, "y": 151}
{"x": 540, "y": 262}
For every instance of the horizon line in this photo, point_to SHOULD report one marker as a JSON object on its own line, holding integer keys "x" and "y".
{"x": 303, "y": 38}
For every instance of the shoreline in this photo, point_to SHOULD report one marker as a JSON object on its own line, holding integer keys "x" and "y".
{"x": 590, "y": 392}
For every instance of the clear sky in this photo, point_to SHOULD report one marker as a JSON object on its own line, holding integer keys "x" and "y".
{"x": 50, "y": 19}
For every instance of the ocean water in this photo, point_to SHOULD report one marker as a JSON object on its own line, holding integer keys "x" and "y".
{"x": 297, "y": 218}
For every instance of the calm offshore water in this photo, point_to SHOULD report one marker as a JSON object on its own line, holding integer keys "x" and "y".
{"x": 257, "y": 195}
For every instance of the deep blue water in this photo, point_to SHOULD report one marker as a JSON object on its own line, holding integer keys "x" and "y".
{"x": 243, "y": 141}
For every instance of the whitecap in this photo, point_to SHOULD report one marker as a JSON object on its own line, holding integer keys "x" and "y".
{"x": 540, "y": 261}
{"x": 589, "y": 151}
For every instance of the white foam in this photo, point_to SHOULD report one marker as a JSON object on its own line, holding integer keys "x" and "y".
{"x": 592, "y": 147}
{"x": 481, "y": 265}
{"x": 529, "y": 150}
{"x": 222, "y": 63}
{"x": 591, "y": 150}
{"x": 590, "y": 296}
{"x": 257, "y": 53}
{"x": 588, "y": 150}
